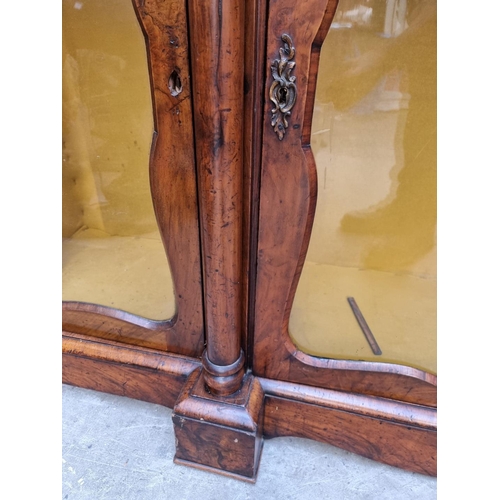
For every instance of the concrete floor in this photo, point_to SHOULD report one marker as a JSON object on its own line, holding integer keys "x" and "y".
{"x": 119, "y": 448}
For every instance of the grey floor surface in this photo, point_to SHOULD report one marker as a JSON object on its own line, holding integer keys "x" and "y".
{"x": 119, "y": 448}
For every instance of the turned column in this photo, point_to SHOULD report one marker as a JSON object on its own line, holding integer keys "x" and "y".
{"x": 216, "y": 32}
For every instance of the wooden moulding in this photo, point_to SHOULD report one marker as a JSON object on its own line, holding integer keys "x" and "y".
{"x": 135, "y": 372}
{"x": 396, "y": 433}
{"x": 174, "y": 194}
{"x": 286, "y": 215}
{"x": 206, "y": 426}
{"x": 255, "y": 42}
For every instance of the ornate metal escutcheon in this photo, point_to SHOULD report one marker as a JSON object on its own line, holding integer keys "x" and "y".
{"x": 283, "y": 91}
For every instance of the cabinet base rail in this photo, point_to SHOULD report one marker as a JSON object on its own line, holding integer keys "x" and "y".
{"x": 224, "y": 434}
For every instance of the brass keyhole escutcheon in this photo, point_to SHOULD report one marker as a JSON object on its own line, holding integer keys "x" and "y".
{"x": 283, "y": 91}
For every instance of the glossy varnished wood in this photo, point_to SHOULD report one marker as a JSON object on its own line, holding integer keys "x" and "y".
{"x": 402, "y": 445}
{"x": 223, "y": 434}
{"x": 370, "y": 406}
{"x": 255, "y": 43}
{"x": 396, "y": 433}
{"x": 174, "y": 194}
{"x": 287, "y": 205}
{"x": 393, "y": 432}
{"x": 217, "y": 61}
{"x": 140, "y": 373}
{"x": 381, "y": 411}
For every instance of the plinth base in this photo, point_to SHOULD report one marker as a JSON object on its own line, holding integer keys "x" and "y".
{"x": 220, "y": 434}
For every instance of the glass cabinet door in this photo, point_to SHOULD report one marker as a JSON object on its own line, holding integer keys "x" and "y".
{"x": 129, "y": 183}
{"x": 112, "y": 250}
{"x": 369, "y": 278}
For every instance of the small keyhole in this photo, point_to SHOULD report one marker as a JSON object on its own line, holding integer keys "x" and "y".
{"x": 282, "y": 95}
{"x": 175, "y": 83}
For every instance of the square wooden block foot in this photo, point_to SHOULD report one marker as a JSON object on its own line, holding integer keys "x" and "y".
{"x": 220, "y": 434}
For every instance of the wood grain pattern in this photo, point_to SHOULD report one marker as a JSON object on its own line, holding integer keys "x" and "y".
{"x": 402, "y": 446}
{"x": 370, "y": 406}
{"x": 223, "y": 434}
{"x": 112, "y": 367}
{"x": 287, "y": 205}
{"x": 381, "y": 411}
{"x": 255, "y": 45}
{"x": 174, "y": 194}
{"x": 403, "y": 435}
{"x": 396, "y": 433}
{"x": 217, "y": 61}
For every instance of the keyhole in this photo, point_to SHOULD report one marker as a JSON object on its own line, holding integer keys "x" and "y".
{"x": 174, "y": 83}
{"x": 282, "y": 95}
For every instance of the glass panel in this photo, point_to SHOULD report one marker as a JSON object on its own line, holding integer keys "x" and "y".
{"x": 374, "y": 141}
{"x": 112, "y": 251}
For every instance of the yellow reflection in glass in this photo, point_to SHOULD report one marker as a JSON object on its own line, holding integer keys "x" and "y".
{"x": 374, "y": 142}
{"x": 112, "y": 251}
